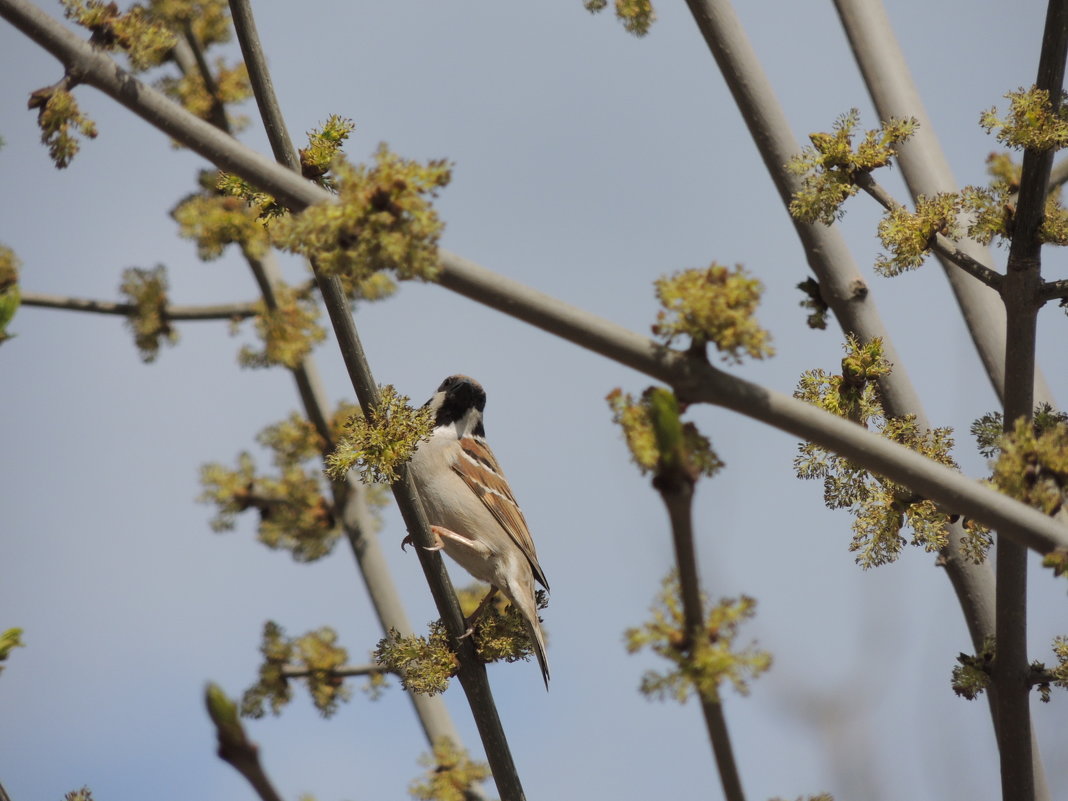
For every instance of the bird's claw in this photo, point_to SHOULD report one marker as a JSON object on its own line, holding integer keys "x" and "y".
{"x": 410, "y": 540}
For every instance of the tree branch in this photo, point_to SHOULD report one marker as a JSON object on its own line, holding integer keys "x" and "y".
{"x": 678, "y": 498}
{"x": 942, "y": 245}
{"x": 211, "y": 86}
{"x": 1051, "y": 290}
{"x": 345, "y": 671}
{"x": 220, "y": 311}
{"x": 927, "y": 172}
{"x": 262, "y": 86}
{"x": 1023, "y": 280}
{"x": 472, "y": 673}
{"x": 234, "y": 746}
{"x": 695, "y": 381}
{"x": 973, "y": 584}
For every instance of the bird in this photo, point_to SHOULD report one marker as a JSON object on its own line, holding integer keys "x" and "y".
{"x": 472, "y": 511}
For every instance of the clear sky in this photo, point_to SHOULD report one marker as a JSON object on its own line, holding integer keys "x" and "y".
{"x": 587, "y": 164}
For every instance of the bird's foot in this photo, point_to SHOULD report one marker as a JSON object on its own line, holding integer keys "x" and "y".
{"x": 437, "y": 546}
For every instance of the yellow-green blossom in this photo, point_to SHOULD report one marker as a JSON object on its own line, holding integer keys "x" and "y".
{"x": 147, "y": 290}
{"x": 382, "y": 219}
{"x": 830, "y": 166}
{"x": 60, "y": 121}
{"x": 1031, "y": 123}
{"x": 379, "y": 445}
{"x": 700, "y": 665}
{"x": 451, "y": 774}
{"x": 716, "y": 305}
{"x": 636, "y": 418}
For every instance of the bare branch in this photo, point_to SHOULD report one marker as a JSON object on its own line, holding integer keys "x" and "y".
{"x": 218, "y": 111}
{"x": 262, "y": 86}
{"x": 941, "y": 245}
{"x": 698, "y": 382}
{"x": 234, "y": 746}
{"x": 220, "y": 311}
{"x": 345, "y": 671}
{"x": 1051, "y": 290}
{"x": 1023, "y": 279}
{"x": 473, "y": 677}
{"x": 679, "y": 502}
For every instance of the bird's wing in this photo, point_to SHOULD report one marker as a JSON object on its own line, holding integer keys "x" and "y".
{"x": 479, "y": 469}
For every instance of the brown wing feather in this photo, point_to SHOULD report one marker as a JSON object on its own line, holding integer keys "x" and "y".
{"x": 483, "y": 475}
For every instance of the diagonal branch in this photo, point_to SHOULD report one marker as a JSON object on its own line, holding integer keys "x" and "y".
{"x": 211, "y": 86}
{"x": 695, "y": 381}
{"x": 234, "y": 745}
{"x": 942, "y": 245}
{"x": 472, "y": 673}
{"x": 345, "y": 671}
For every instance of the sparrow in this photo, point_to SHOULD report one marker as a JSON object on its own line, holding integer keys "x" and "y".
{"x": 473, "y": 514}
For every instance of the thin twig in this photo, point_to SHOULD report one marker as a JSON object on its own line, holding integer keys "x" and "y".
{"x": 678, "y": 498}
{"x": 211, "y": 86}
{"x": 940, "y": 244}
{"x": 472, "y": 672}
{"x": 345, "y": 671}
{"x": 219, "y": 311}
{"x": 1058, "y": 176}
{"x": 274, "y": 124}
{"x": 235, "y": 747}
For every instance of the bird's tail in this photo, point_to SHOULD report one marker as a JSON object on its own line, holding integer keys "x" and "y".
{"x": 537, "y": 639}
{"x": 528, "y": 608}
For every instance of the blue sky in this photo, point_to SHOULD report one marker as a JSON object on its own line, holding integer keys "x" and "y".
{"x": 587, "y": 164}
